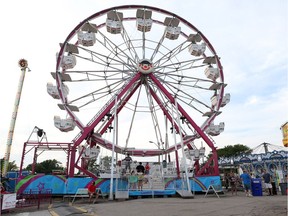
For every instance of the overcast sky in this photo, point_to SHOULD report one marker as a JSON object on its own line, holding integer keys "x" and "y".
{"x": 250, "y": 36}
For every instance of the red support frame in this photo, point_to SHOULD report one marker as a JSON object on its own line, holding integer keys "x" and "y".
{"x": 214, "y": 156}
{"x": 94, "y": 122}
{"x": 43, "y": 146}
{"x": 73, "y": 163}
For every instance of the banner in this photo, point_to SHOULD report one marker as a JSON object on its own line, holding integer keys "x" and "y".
{"x": 9, "y": 201}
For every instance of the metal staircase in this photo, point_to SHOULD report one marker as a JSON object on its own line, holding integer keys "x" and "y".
{"x": 156, "y": 178}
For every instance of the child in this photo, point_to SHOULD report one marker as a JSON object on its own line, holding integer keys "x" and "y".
{"x": 140, "y": 181}
{"x": 147, "y": 168}
{"x": 133, "y": 179}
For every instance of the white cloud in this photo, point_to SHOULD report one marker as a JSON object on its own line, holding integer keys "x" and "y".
{"x": 253, "y": 100}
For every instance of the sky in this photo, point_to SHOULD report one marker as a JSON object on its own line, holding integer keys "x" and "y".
{"x": 249, "y": 36}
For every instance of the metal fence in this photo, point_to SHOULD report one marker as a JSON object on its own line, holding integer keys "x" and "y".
{"x": 34, "y": 198}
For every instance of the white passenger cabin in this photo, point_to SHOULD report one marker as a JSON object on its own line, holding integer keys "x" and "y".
{"x": 64, "y": 125}
{"x": 192, "y": 154}
{"x": 225, "y": 100}
{"x": 172, "y": 30}
{"x": 114, "y": 22}
{"x": 172, "y": 33}
{"x": 212, "y": 73}
{"x": 197, "y": 49}
{"x": 92, "y": 152}
{"x": 86, "y": 38}
{"x": 68, "y": 61}
{"x": 114, "y": 27}
{"x": 144, "y": 25}
{"x": 52, "y": 90}
{"x": 144, "y": 21}
{"x": 215, "y": 130}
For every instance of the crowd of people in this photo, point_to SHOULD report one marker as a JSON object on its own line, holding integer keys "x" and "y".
{"x": 245, "y": 179}
{"x": 136, "y": 177}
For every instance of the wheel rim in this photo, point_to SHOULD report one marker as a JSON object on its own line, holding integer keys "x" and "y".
{"x": 105, "y": 69}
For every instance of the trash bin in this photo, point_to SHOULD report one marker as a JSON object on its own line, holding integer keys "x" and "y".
{"x": 256, "y": 187}
{"x": 283, "y": 187}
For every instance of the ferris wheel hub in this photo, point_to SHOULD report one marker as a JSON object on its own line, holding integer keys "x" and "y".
{"x": 145, "y": 66}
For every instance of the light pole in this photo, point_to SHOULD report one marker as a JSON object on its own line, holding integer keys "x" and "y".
{"x": 23, "y": 64}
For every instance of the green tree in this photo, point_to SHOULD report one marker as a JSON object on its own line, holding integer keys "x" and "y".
{"x": 233, "y": 150}
{"x": 46, "y": 166}
{"x": 93, "y": 166}
{"x": 106, "y": 162}
{"x": 11, "y": 165}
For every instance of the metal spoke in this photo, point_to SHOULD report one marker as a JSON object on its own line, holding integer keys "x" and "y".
{"x": 185, "y": 80}
{"x": 132, "y": 120}
{"x": 158, "y": 47}
{"x": 129, "y": 44}
{"x": 171, "y": 54}
{"x": 102, "y": 92}
{"x": 153, "y": 116}
{"x": 107, "y": 61}
{"x": 143, "y": 44}
{"x": 175, "y": 91}
{"x": 187, "y": 64}
{"x": 114, "y": 48}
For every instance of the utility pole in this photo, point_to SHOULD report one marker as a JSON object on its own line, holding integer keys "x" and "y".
{"x": 23, "y": 64}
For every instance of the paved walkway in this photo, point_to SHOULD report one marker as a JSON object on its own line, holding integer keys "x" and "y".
{"x": 226, "y": 205}
{"x": 200, "y": 206}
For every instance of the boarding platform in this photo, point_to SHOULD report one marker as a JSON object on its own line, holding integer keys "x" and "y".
{"x": 161, "y": 181}
{"x": 152, "y": 193}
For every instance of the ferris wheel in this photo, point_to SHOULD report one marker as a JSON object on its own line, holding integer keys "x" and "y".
{"x": 144, "y": 74}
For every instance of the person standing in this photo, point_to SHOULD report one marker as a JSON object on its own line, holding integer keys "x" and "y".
{"x": 267, "y": 181}
{"x": 128, "y": 161}
{"x": 274, "y": 183}
{"x": 226, "y": 179}
{"x": 140, "y": 173}
{"x": 246, "y": 179}
{"x": 252, "y": 175}
{"x": 133, "y": 179}
{"x": 140, "y": 168}
{"x": 147, "y": 168}
{"x": 140, "y": 181}
{"x": 233, "y": 183}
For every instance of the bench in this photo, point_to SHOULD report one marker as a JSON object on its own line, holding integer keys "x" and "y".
{"x": 83, "y": 193}
{"x": 100, "y": 193}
